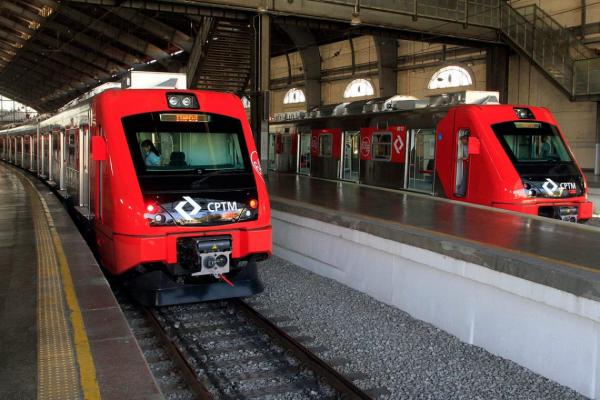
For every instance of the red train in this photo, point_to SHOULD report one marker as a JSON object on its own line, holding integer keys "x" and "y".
{"x": 168, "y": 181}
{"x": 513, "y": 157}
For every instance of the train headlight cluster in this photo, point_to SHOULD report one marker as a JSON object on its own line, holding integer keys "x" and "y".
{"x": 182, "y": 100}
{"x": 524, "y": 113}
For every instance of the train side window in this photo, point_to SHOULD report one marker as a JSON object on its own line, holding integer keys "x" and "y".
{"x": 325, "y": 145}
{"x": 382, "y": 146}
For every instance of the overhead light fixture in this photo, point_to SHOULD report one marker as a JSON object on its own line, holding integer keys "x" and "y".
{"x": 262, "y": 8}
{"x": 355, "y": 21}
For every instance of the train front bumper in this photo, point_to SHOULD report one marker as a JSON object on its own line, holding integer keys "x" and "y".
{"x": 572, "y": 210}
{"x": 131, "y": 251}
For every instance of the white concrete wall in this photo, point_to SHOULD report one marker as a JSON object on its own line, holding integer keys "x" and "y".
{"x": 551, "y": 332}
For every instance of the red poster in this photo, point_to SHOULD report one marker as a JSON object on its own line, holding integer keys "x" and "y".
{"x": 398, "y": 143}
{"x": 365, "y": 143}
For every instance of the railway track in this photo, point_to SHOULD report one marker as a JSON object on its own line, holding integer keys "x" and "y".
{"x": 228, "y": 350}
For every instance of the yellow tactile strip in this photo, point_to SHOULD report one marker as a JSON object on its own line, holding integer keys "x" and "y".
{"x": 65, "y": 364}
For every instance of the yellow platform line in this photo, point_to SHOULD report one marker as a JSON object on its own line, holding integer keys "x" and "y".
{"x": 57, "y": 370}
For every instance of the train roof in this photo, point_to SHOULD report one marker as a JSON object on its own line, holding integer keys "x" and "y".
{"x": 395, "y": 103}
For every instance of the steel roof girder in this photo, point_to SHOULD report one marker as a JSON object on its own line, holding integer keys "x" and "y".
{"x": 94, "y": 44}
{"x": 115, "y": 33}
{"x": 155, "y": 27}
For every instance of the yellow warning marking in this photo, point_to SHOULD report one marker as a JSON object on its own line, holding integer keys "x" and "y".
{"x": 57, "y": 370}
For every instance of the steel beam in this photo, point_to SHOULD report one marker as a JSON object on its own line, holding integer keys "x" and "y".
{"x": 155, "y": 27}
{"x": 311, "y": 62}
{"x": 126, "y": 39}
{"x": 198, "y": 51}
{"x": 496, "y": 75}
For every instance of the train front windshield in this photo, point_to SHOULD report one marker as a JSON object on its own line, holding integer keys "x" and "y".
{"x": 535, "y": 148}
{"x": 176, "y": 151}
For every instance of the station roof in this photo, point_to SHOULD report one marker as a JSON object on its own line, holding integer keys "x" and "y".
{"x": 52, "y": 51}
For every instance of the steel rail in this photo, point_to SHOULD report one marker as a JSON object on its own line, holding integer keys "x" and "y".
{"x": 346, "y": 388}
{"x": 178, "y": 358}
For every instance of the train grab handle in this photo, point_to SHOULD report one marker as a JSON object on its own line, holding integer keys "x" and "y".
{"x": 98, "y": 148}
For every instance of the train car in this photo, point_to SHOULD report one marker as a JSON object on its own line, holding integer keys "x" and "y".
{"x": 168, "y": 182}
{"x": 513, "y": 157}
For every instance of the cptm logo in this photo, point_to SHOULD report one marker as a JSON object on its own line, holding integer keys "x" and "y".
{"x": 556, "y": 189}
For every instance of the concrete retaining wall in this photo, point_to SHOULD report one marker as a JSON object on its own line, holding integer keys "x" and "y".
{"x": 552, "y": 332}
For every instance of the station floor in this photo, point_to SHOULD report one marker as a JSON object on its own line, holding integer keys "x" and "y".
{"x": 63, "y": 336}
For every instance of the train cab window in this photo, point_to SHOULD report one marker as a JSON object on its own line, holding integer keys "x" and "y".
{"x": 382, "y": 146}
{"x": 532, "y": 142}
{"x": 462, "y": 163}
{"x": 325, "y": 145}
{"x": 202, "y": 149}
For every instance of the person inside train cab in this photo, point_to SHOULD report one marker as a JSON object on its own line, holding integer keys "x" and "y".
{"x": 545, "y": 148}
{"x": 462, "y": 166}
{"x": 150, "y": 153}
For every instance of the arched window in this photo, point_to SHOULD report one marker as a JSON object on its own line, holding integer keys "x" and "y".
{"x": 359, "y": 88}
{"x": 246, "y": 102}
{"x": 293, "y": 96}
{"x": 451, "y": 76}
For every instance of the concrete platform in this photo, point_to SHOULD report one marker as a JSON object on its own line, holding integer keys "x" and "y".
{"x": 594, "y": 191}
{"x": 524, "y": 288}
{"x": 63, "y": 334}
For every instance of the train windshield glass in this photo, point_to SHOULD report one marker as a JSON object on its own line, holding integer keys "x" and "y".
{"x": 532, "y": 142}
{"x": 183, "y": 146}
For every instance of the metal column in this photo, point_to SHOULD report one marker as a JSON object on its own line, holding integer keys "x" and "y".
{"x": 497, "y": 59}
{"x": 597, "y": 163}
{"x": 261, "y": 74}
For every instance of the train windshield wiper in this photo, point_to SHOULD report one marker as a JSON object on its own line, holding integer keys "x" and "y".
{"x": 205, "y": 174}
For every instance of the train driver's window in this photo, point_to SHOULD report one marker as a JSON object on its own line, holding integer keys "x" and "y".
{"x": 382, "y": 146}
{"x": 325, "y": 145}
{"x": 462, "y": 162}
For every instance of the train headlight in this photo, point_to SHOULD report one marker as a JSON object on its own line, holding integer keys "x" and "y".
{"x": 524, "y": 113}
{"x": 174, "y": 102}
{"x": 186, "y": 101}
{"x": 182, "y": 100}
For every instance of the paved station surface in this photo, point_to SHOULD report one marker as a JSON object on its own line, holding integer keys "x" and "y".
{"x": 63, "y": 335}
{"x": 551, "y": 252}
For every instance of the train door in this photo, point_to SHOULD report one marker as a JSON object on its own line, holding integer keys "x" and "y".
{"x": 271, "y": 156}
{"x": 62, "y": 158}
{"x": 22, "y": 155}
{"x": 27, "y": 152}
{"x": 420, "y": 174}
{"x": 56, "y": 160}
{"x": 304, "y": 154}
{"x": 43, "y": 155}
{"x": 350, "y": 156}
{"x": 84, "y": 152}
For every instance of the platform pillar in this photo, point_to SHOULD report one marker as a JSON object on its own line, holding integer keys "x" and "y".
{"x": 497, "y": 71}
{"x": 261, "y": 74}
{"x": 597, "y": 158}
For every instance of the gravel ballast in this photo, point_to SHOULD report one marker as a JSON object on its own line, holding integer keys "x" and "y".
{"x": 407, "y": 358}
